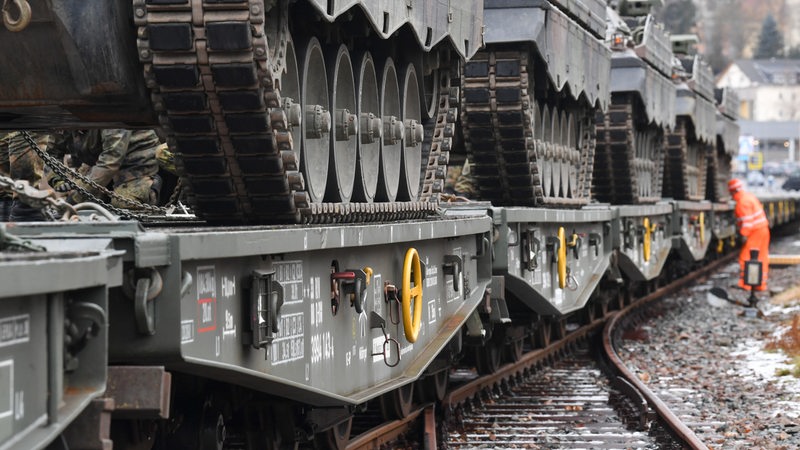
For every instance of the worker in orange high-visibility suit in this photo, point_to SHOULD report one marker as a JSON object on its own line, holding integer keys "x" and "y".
{"x": 754, "y": 227}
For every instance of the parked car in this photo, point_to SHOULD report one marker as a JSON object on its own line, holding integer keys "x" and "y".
{"x": 792, "y": 183}
{"x": 755, "y": 178}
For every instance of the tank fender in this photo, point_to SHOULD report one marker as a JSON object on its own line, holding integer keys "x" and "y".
{"x": 656, "y": 92}
{"x": 432, "y": 22}
{"x": 585, "y": 68}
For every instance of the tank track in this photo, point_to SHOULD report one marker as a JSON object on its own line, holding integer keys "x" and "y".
{"x": 685, "y": 164}
{"x": 214, "y": 84}
{"x": 718, "y": 173}
{"x": 510, "y": 162}
{"x": 626, "y": 154}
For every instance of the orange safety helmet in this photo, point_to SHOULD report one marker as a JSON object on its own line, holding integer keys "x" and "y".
{"x": 735, "y": 185}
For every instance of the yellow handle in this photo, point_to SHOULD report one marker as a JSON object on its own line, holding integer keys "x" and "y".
{"x": 702, "y": 227}
{"x": 647, "y": 237}
{"x": 561, "y": 258}
{"x": 720, "y": 246}
{"x": 411, "y": 265}
{"x": 368, "y": 271}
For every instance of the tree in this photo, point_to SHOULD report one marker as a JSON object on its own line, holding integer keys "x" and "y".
{"x": 678, "y": 16}
{"x": 770, "y": 41}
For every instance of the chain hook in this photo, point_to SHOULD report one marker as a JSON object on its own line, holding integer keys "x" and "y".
{"x": 21, "y": 22}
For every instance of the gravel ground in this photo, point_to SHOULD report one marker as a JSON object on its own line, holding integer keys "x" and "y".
{"x": 715, "y": 359}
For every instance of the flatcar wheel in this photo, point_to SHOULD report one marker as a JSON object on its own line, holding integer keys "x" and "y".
{"x": 602, "y": 307}
{"x": 513, "y": 350}
{"x": 397, "y": 403}
{"x": 411, "y": 165}
{"x": 488, "y": 357}
{"x": 389, "y": 175}
{"x": 541, "y": 336}
{"x": 370, "y": 130}
{"x": 433, "y": 387}
{"x": 335, "y": 437}
{"x": 560, "y": 328}
{"x": 589, "y": 312}
{"x": 345, "y": 125}
{"x": 315, "y": 152}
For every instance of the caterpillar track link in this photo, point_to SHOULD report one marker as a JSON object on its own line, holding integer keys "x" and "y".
{"x": 524, "y": 151}
{"x": 629, "y": 159}
{"x": 685, "y": 164}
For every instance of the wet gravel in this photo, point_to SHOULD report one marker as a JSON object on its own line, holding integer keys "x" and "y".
{"x": 710, "y": 364}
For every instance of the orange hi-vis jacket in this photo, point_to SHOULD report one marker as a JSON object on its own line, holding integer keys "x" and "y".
{"x": 754, "y": 226}
{"x": 749, "y": 213}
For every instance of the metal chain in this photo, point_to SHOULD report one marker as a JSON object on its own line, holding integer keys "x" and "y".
{"x": 34, "y": 197}
{"x": 69, "y": 175}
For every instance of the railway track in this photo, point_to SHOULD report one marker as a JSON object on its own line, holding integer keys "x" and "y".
{"x": 563, "y": 395}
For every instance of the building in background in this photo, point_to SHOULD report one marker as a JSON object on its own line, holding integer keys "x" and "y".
{"x": 768, "y": 89}
{"x": 769, "y": 105}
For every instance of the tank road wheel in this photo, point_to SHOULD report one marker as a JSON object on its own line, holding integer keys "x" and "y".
{"x": 370, "y": 130}
{"x": 389, "y": 176}
{"x": 411, "y": 164}
{"x": 397, "y": 403}
{"x": 335, "y": 437}
{"x": 488, "y": 357}
{"x": 344, "y": 123}
{"x": 547, "y": 165}
{"x": 290, "y": 94}
{"x": 572, "y": 156}
{"x": 641, "y": 178}
{"x": 430, "y": 92}
{"x": 315, "y": 153}
{"x": 557, "y": 148}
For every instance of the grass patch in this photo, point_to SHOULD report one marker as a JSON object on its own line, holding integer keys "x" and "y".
{"x": 789, "y": 343}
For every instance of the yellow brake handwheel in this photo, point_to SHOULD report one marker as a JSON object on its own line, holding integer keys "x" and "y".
{"x": 411, "y": 325}
{"x": 646, "y": 242}
{"x": 561, "y": 258}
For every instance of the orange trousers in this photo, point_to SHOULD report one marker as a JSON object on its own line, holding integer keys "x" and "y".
{"x": 758, "y": 239}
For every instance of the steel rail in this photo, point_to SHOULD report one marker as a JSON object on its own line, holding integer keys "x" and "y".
{"x": 614, "y": 325}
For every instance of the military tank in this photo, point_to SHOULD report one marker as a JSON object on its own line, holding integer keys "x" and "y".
{"x": 279, "y": 111}
{"x": 694, "y": 135}
{"x": 529, "y": 99}
{"x": 629, "y": 159}
{"x": 727, "y": 146}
